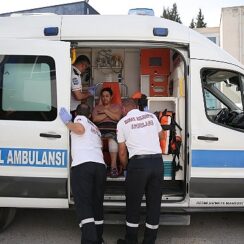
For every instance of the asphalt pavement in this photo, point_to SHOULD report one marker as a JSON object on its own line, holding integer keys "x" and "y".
{"x": 41, "y": 226}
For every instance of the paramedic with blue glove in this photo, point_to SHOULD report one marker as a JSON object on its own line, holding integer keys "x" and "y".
{"x": 88, "y": 173}
{"x": 139, "y": 132}
{"x": 79, "y": 67}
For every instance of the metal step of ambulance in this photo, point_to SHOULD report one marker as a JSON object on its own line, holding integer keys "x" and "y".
{"x": 165, "y": 198}
{"x": 119, "y": 200}
{"x": 165, "y": 219}
{"x": 115, "y": 190}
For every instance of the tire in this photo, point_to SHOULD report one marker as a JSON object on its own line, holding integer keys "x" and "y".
{"x": 6, "y": 217}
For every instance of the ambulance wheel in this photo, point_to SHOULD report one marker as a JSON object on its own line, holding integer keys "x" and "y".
{"x": 6, "y": 217}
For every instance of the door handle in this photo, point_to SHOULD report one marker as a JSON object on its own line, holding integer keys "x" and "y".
{"x": 48, "y": 135}
{"x": 208, "y": 138}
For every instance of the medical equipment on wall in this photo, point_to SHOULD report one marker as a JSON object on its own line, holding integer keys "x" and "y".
{"x": 155, "y": 68}
{"x": 107, "y": 60}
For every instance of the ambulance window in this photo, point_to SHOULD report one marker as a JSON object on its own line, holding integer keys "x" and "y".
{"x": 213, "y": 105}
{"x": 223, "y": 97}
{"x": 28, "y": 88}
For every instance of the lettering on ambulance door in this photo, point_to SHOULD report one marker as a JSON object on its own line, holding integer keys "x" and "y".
{"x": 217, "y": 139}
{"x": 33, "y": 148}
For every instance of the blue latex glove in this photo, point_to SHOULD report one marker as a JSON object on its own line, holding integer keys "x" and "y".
{"x": 65, "y": 116}
{"x": 91, "y": 90}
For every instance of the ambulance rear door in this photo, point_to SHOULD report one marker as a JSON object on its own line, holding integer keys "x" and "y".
{"x": 34, "y": 156}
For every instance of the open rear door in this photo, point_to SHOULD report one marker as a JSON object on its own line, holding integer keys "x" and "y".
{"x": 34, "y": 156}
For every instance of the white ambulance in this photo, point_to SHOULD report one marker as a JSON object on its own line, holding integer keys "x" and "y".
{"x": 175, "y": 67}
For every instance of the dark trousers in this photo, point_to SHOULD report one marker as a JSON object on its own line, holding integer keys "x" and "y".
{"x": 144, "y": 176}
{"x": 88, "y": 183}
{"x": 73, "y": 113}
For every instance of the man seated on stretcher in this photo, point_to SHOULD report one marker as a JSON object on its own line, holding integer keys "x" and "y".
{"x": 106, "y": 116}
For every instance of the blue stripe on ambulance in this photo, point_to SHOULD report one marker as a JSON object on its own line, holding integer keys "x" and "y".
{"x": 218, "y": 158}
{"x": 28, "y": 157}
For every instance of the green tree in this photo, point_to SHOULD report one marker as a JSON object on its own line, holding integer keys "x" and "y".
{"x": 192, "y": 24}
{"x": 166, "y": 13}
{"x": 172, "y": 14}
{"x": 200, "y": 20}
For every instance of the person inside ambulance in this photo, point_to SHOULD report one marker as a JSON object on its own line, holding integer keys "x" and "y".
{"x": 79, "y": 67}
{"x": 88, "y": 173}
{"x": 105, "y": 116}
{"x": 141, "y": 100}
{"x": 139, "y": 132}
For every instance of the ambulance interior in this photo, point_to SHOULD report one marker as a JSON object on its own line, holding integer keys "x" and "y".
{"x": 158, "y": 73}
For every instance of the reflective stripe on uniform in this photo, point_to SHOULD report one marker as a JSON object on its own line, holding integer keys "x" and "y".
{"x": 98, "y": 222}
{"x": 132, "y": 225}
{"x": 153, "y": 227}
{"x": 86, "y": 221}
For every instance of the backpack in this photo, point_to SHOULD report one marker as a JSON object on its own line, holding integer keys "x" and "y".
{"x": 170, "y": 142}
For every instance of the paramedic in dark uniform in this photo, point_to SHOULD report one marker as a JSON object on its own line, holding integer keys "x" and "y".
{"x": 139, "y": 132}
{"x": 79, "y": 67}
{"x": 88, "y": 173}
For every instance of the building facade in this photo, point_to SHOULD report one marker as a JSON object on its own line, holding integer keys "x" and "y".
{"x": 232, "y": 31}
{"x": 76, "y": 8}
{"x": 212, "y": 33}
{"x": 230, "y": 34}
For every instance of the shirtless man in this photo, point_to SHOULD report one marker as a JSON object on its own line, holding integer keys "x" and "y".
{"x": 106, "y": 116}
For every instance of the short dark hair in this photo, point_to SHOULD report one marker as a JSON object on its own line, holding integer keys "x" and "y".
{"x": 107, "y": 89}
{"x": 83, "y": 109}
{"x": 130, "y": 102}
{"x": 82, "y": 59}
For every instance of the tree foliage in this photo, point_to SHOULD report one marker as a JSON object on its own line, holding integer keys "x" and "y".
{"x": 172, "y": 14}
{"x": 200, "y": 20}
{"x": 192, "y": 24}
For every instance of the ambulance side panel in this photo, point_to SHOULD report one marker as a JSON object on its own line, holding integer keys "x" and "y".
{"x": 217, "y": 151}
{"x": 34, "y": 144}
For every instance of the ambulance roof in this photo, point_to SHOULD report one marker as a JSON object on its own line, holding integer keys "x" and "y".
{"x": 133, "y": 28}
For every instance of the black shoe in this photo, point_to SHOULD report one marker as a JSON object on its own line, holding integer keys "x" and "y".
{"x": 121, "y": 241}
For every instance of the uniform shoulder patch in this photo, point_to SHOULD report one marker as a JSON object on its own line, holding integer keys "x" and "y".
{"x": 75, "y": 81}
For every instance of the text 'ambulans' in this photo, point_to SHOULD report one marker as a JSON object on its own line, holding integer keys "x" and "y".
{"x": 33, "y": 157}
